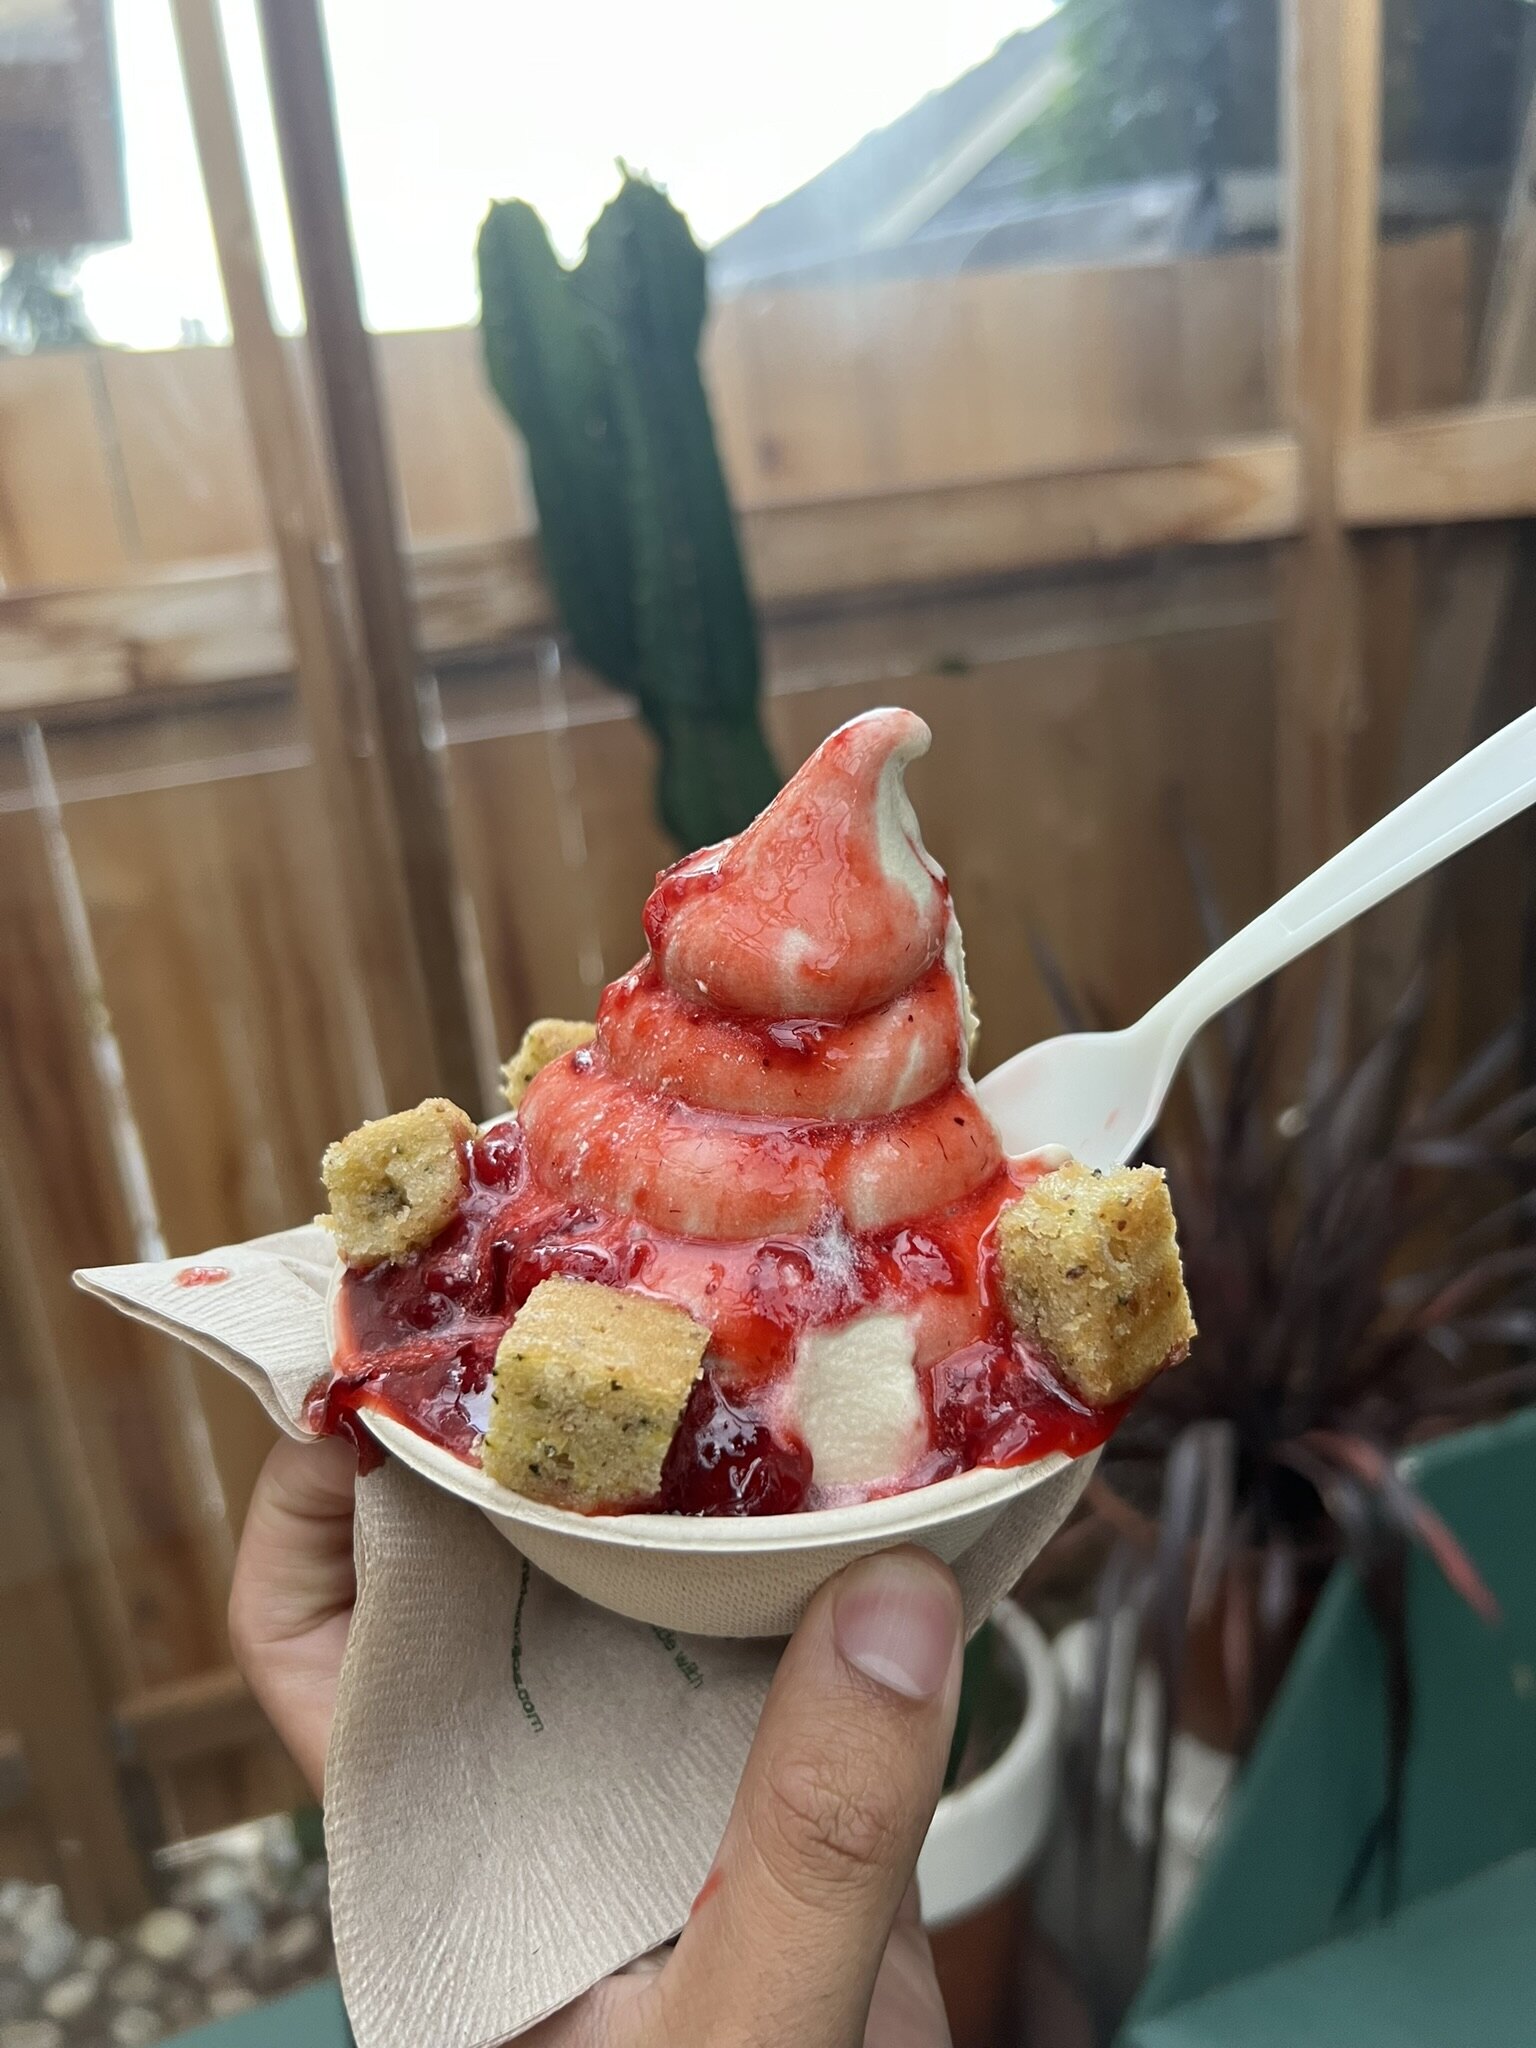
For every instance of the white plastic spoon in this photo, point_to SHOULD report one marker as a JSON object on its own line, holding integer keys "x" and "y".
{"x": 1098, "y": 1093}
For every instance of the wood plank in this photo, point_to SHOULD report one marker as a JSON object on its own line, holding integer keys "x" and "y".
{"x": 1438, "y": 469}
{"x": 146, "y": 1449}
{"x": 795, "y": 387}
{"x": 1226, "y": 346}
{"x": 613, "y": 785}
{"x": 181, "y": 438}
{"x": 154, "y": 632}
{"x": 1507, "y": 350}
{"x": 1331, "y": 104}
{"x": 15, "y": 1778}
{"x": 1451, "y": 671}
{"x": 215, "y": 885}
{"x": 828, "y": 392}
{"x": 377, "y": 930}
{"x": 1356, "y": 57}
{"x": 55, "y": 1754}
{"x": 119, "y": 1440}
{"x": 1425, "y": 329}
{"x": 815, "y": 392}
{"x": 1237, "y": 492}
{"x": 413, "y": 821}
{"x": 523, "y": 855}
{"x": 171, "y": 631}
{"x": 461, "y": 468}
{"x": 60, "y": 510}
{"x": 188, "y": 1717}
{"x": 168, "y": 632}
{"x": 25, "y": 1850}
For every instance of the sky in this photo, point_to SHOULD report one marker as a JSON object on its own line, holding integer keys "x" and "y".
{"x": 447, "y": 104}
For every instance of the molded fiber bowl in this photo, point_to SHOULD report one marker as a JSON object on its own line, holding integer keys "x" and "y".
{"x": 751, "y": 1576}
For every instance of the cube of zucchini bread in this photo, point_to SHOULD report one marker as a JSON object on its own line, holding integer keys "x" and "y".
{"x": 1091, "y": 1276}
{"x": 590, "y": 1386}
{"x": 396, "y": 1182}
{"x": 542, "y": 1042}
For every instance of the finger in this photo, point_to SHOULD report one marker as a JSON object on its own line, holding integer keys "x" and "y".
{"x": 294, "y": 1585}
{"x": 907, "y": 2010}
{"x": 295, "y": 1563}
{"x": 836, "y": 1797}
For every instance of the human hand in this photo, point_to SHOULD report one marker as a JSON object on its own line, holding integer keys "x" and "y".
{"x": 806, "y": 1931}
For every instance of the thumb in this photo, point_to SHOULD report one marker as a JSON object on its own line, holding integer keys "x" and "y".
{"x": 837, "y": 1795}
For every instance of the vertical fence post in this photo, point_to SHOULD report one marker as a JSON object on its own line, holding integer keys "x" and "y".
{"x": 363, "y": 483}
{"x": 380, "y": 942}
{"x": 1331, "y": 95}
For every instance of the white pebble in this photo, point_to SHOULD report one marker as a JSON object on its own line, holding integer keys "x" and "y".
{"x": 166, "y": 1934}
{"x": 135, "y": 1983}
{"x": 32, "y": 2034}
{"x": 99, "y": 1954}
{"x": 13, "y": 1896}
{"x": 280, "y": 1846}
{"x": 213, "y": 1884}
{"x": 39, "y": 1905}
{"x": 241, "y": 1920}
{"x": 292, "y": 1944}
{"x": 226, "y": 2000}
{"x": 48, "y": 1949}
{"x": 67, "y": 1999}
{"x": 212, "y": 1956}
{"x": 136, "y": 2027}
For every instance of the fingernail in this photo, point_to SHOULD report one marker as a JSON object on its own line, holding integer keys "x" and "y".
{"x": 897, "y": 1619}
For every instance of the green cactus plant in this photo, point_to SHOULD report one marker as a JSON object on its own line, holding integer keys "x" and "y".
{"x": 598, "y": 367}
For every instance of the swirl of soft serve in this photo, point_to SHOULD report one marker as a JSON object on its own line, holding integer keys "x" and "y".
{"x": 792, "y": 1054}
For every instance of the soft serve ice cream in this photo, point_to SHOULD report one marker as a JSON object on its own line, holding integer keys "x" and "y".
{"x": 772, "y": 1134}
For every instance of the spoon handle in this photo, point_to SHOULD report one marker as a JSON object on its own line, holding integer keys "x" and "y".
{"x": 1481, "y": 790}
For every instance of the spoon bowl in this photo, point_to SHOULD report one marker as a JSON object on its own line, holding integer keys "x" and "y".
{"x": 1095, "y": 1093}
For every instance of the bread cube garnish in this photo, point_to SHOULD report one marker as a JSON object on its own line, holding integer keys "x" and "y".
{"x": 542, "y": 1042}
{"x": 395, "y": 1183}
{"x": 1091, "y": 1276}
{"x": 590, "y": 1386}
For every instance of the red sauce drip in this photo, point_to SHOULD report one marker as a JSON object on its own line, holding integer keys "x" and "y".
{"x": 203, "y": 1276}
{"x": 418, "y": 1340}
{"x": 992, "y": 1403}
{"x": 727, "y": 1460}
{"x": 697, "y": 875}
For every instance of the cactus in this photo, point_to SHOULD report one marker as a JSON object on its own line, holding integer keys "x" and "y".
{"x": 546, "y": 364}
{"x": 599, "y": 369}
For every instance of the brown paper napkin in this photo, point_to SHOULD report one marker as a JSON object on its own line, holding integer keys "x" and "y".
{"x": 523, "y": 1792}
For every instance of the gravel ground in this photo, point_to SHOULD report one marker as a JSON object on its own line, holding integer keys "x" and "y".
{"x": 245, "y": 1918}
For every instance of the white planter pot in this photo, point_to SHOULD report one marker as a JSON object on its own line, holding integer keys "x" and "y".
{"x": 986, "y": 1834}
{"x": 1199, "y": 1777}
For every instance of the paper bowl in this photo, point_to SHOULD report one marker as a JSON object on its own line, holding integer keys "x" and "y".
{"x": 750, "y": 1576}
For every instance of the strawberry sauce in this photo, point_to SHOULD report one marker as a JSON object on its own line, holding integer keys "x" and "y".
{"x": 418, "y": 1340}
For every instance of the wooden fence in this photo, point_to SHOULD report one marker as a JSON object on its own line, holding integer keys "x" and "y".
{"x": 914, "y": 463}
{"x": 113, "y": 462}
